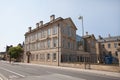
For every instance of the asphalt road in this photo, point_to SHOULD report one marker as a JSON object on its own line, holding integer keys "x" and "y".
{"x": 32, "y": 72}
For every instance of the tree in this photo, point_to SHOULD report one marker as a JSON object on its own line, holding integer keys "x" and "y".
{"x": 15, "y": 52}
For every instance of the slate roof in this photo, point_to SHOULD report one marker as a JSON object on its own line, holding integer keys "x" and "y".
{"x": 51, "y": 22}
{"x": 111, "y": 38}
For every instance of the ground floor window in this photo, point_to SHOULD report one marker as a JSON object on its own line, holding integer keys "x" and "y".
{"x": 54, "y": 56}
{"x": 36, "y": 56}
{"x": 48, "y": 56}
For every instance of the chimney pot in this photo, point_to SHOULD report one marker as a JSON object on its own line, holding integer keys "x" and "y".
{"x": 41, "y": 23}
{"x": 86, "y": 33}
{"x": 37, "y": 24}
{"x": 52, "y": 17}
{"x": 100, "y": 37}
{"x": 29, "y": 28}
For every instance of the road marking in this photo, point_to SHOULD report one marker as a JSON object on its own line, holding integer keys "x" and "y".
{"x": 64, "y": 77}
{"x": 1, "y": 78}
{"x": 12, "y": 72}
{"x": 12, "y": 76}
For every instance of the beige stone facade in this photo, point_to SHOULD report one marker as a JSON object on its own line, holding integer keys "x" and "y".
{"x": 49, "y": 43}
{"x": 87, "y": 49}
{"x": 106, "y": 47}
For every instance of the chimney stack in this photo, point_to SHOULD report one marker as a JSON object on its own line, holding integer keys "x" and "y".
{"x": 41, "y": 23}
{"x": 100, "y": 37}
{"x": 86, "y": 33}
{"x": 37, "y": 24}
{"x": 52, "y": 17}
{"x": 29, "y": 28}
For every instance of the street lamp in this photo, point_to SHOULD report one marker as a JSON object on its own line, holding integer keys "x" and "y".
{"x": 81, "y": 18}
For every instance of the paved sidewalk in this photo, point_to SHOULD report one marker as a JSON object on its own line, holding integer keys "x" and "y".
{"x": 114, "y": 74}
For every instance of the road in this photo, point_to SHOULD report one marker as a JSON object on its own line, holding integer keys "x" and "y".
{"x": 32, "y": 72}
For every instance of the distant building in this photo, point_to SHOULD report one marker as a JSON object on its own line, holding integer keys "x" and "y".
{"x": 2, "y": 55}
{"x": 51, "y": 43}
{"x": 106, "y": 48}
{"x": 7, "y": 57}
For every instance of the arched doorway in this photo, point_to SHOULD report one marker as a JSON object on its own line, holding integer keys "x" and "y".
{"x": 28, "y": 56}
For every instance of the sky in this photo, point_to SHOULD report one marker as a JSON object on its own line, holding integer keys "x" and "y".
{"x": 100, "y": 17}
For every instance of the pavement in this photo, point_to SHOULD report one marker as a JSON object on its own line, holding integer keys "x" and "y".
{"x": 28, "y": 71}
{"x": 114, "y": 74}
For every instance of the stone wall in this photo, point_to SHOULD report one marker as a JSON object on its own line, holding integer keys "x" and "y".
{"x": 91, "y": 66}
{"x": 106, "y": 68}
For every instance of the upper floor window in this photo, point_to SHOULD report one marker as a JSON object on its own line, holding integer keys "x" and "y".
{"x": 73, "y": 33}
{"x": 54, "y": 30}
{"x": 49, "y": 31}
{"x": 48, "y": 43}
{"x": 48, "y": 56}
{"x": 69, "y": 30}
{"x": 44, "y": 42}
{"x": 39, "y": 35}
{"x": 109, "y": 45}
{"x": 42, "y": 34}
{"x": 54, "y": 42}
{"x": 115, "y": 45}
{"x": 68, "y": 44}
{"x": 38, "y": 45}
{"x": 36, "y": 36}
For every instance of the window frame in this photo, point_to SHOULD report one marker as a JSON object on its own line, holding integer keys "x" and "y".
{"x": 54, "y": 57}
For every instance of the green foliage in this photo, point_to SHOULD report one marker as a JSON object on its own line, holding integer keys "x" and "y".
{"x": 15, "y": 52}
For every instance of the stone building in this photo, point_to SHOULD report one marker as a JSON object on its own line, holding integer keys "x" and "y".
{"x": 87, "y": 49}
{"x": 51, "y": 43}
{"x": 2, "y": 55}
{"x": 106, "y": 48}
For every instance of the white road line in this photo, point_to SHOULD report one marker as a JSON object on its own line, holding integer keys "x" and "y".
{"x": 1, "y": 78}
{"x": 12, "y": 72}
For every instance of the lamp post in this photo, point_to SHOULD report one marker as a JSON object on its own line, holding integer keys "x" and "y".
{"x": 58, "y": 45}
{"x": 81, "y": 18}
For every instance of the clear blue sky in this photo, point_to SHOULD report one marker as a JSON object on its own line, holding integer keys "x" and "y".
{"x": 101, "y": 17}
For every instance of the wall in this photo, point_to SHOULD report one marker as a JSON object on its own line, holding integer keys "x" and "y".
{"x": 91, "y": 66}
